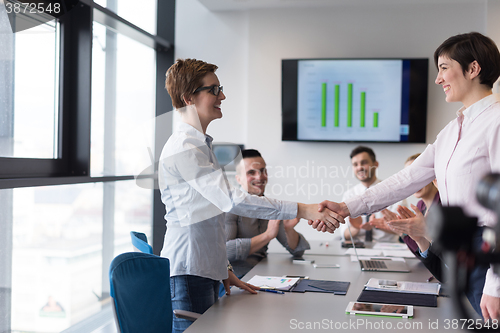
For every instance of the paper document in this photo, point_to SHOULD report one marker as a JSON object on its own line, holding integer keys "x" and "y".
{"x": 406, "y": 287}
{"x": 354, "y": 258}
{"x": 389, "y": 246}
{"x": 273, "y": 282}
{"x": 365, "y": 252}
{"x": 399, "y": 253}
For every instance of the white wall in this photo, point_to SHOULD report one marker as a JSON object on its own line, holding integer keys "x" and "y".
{"x": 248, "y": 47}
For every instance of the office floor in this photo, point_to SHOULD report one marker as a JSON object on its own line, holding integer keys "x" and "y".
{"x": 109, "y": 327}
{"x": 101, "y": 322}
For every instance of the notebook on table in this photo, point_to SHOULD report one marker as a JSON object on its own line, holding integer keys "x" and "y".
{"x": 322, "y": 286}
{"x": 387, "y": 297}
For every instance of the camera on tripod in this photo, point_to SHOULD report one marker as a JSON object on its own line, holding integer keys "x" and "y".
{"x": 463, "y": 244}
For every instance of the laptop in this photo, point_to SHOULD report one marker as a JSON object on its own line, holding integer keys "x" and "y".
{"x": 379, "y": 265}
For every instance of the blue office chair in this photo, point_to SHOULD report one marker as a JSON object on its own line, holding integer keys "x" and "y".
{"x": 140, "y": 288}
{"x": 140, "y": 242}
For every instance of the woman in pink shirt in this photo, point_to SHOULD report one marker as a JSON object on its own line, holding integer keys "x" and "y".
{"x": 466, "y": 150}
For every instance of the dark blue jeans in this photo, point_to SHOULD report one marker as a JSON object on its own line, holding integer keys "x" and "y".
{"x": 477, "y": 276}
{"x": 191, "y": 293}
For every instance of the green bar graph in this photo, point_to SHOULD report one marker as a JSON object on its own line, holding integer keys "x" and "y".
{"x": 362, "y": 109}
{"x": 323, "y": 104}
{"x": 349, "y": 105}
{"x": 337, "y": 106}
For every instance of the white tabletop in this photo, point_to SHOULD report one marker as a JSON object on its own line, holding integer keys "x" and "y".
{"x": 292, "y": 312}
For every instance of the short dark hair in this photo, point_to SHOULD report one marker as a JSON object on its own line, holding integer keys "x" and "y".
{"x": 249, "y": 153}
{"x": 465, "y": 48}
{"x": 184, "y": 77}
{"x": 363, "y": 149}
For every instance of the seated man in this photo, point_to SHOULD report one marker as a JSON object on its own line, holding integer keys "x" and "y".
{"x": 247, "y": 238}
{"x": 364, "y": 165}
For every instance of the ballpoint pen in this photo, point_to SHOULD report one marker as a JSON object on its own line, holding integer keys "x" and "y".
{"x": 272, "y": 291}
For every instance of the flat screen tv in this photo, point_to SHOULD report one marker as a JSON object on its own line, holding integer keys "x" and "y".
{"x": 354, "y": 100}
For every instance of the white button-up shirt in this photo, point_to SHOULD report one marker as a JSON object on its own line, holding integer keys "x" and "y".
{"x": 466, "y": 150}
{"x": 196, "y": 193}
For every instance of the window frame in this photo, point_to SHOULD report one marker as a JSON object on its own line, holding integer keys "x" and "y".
{"x": 73, "y": 165}
{"x": 74, "y": 126}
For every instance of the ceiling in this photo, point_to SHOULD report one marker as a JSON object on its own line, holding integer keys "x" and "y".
{"x": 223, "y": 5}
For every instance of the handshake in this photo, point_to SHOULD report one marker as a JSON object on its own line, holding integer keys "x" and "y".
{"x": 325, "y": 217}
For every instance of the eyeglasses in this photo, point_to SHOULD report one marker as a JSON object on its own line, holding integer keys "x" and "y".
{"x": 214, "y": 90}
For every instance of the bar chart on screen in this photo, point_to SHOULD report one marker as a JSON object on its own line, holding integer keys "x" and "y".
{"x": 349, "y": 100}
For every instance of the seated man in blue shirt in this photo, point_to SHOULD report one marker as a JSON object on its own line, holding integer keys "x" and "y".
{"x": 247, "y": 238}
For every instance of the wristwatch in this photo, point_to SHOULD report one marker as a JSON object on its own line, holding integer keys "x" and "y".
{"x": 230, "y": 267}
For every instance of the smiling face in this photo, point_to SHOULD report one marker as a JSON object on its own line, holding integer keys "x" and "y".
{"x": 252, "y": 175}
{"x": 456, "y": 84}
{"x": 207, "y": 104}
{"x": 364, "y": 168}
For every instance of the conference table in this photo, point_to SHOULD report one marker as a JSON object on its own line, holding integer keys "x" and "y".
{"x": 311, "y": 311}
{"x": 317, "y": 247}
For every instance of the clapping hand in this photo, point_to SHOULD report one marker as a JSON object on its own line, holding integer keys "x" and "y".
{"x": 273, "y": 227}
{"x": 290, "y": 224}
{"x": 358, "y": 223}
{"x": 380, "y": 223}
{"x": 389, "y": 215}
{"x": 412, "y": 224}
{"x": 406, "y": 213}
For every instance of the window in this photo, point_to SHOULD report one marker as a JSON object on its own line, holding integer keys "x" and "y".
{"x": 78, "y": 99}
{"x": 140, "y": 13}
{"x": 32, "y": 113}
{"x": 123, "y": 111}
{"x": 59, "y": 271}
